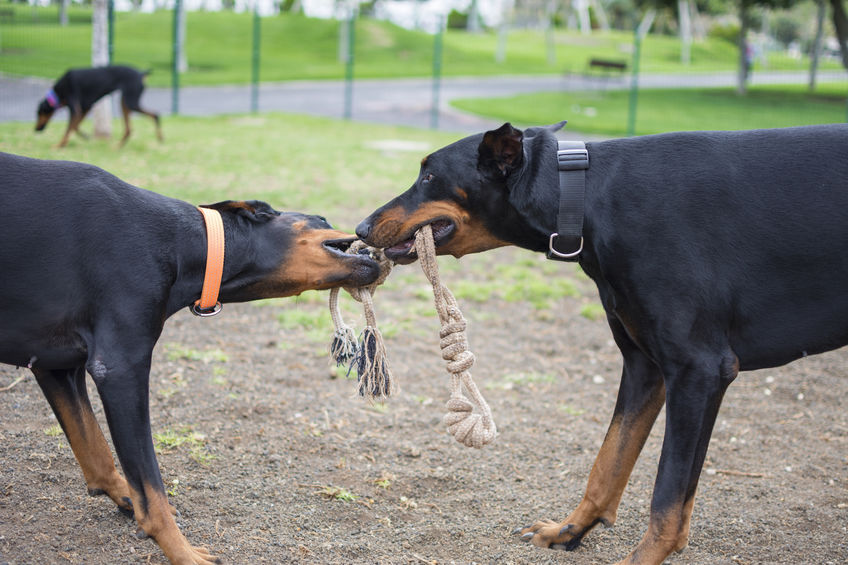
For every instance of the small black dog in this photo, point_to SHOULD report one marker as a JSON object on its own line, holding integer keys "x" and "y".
{"x": 89, "y": 278}
{"x": 713, "y": 253}
{"x": 80, "y": 89}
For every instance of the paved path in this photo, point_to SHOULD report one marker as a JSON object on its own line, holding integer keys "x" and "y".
{"x": 395, "y": 101}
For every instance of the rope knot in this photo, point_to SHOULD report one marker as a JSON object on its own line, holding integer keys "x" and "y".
{"x": 369, "y": 355}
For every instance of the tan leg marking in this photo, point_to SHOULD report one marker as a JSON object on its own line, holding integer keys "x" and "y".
{"x": 155, "y": 517}
{"x": 92, "y": 452}
{"x": 623, "y": 443}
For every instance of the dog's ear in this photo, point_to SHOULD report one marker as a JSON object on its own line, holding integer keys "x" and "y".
{"x": 553, "y": 128}
{"x": 253, "y": 209}
{"x": 501, "y": 151}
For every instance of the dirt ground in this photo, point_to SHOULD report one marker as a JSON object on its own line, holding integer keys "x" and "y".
{"x": 279, "y": 446}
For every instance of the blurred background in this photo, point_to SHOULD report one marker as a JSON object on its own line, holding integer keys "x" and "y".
{"x": 611, "y": 67}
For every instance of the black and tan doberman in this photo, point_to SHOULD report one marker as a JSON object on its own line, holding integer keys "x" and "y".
{"x": 92, "y": 267}
{"x": 80, "y": 89}
{"x": 713, "y": 253}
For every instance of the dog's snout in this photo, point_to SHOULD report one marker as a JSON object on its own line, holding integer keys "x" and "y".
{"x": 363, "y": 230}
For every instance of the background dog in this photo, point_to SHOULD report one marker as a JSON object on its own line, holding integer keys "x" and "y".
{"x": 80, "y": 89}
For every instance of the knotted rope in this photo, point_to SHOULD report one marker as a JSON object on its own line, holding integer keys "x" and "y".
{"x": 469, "y": 428}
{"x": 369, "y": 357}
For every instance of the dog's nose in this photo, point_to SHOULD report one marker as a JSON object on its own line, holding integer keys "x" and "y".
{"x": 363, "y": 230}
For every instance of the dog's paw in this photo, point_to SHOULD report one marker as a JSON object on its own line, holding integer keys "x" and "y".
{"x": 554, "y": 535}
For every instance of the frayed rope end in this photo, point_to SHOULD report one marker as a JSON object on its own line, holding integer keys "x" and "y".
{"x": 372, "y": 366}
{"x": 343, "y": 347}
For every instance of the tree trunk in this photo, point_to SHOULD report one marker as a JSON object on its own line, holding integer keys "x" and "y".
{"x": 182, "y": 58}
{"x": 63, "y": 12}
{"x": 473, "y": 23}
{"x": 684, "y": 18}
{"x": 500, "y": 49}
{"x": 600, "y": 14}
{"x": 840, "y": 22}
{"x": 548, "y": 24}
{"x": 744, "y": 50}
{"x": 815, "y": 50}
{"x": 585, "y": 22}
{"x": 102, "y": 111}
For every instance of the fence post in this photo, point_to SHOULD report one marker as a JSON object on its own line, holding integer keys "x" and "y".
{"x": 111, "y": 28}
{"x": 175, "y": 61}
{"x": 437, "y": 73}
{"x": 638, "y": 35}
{"x": 254, "y": 80}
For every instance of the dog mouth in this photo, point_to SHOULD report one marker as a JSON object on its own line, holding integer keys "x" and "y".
{"x": 364, "y": 268}
{"x": 402, "y": 252}
{"x": 339, "y": 247}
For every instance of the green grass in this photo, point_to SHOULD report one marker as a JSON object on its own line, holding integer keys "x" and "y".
{"x": 219, "y": 48}
{"x": 177, "y": 352}
{"x": 180, "y": 439}
{"x": 297, "y": 163}
{"x": 658, "y": 111}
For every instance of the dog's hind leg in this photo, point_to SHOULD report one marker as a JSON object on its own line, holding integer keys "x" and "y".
{"x": 155, "y": 117}
{"x": 66, "y": 392}
{"x": 131, "y": 101}
{"x": 123, "y": 387}
{"x": 640, "y": 398}
{"x": 126, "y": 113}
{"x": 73, "y": 126}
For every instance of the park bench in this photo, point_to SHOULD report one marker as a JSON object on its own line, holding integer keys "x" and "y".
{"x": 607, "y": 66}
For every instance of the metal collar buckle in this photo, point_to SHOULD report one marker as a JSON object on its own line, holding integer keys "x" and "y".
{"x": 553, "y": 253}
{"x": 205, "y": 312}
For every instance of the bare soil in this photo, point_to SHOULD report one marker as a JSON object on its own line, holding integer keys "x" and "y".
{"x": 281, "y": 443}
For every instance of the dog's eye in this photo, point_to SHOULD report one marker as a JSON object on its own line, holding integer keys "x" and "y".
{"x": 427, "y": 178}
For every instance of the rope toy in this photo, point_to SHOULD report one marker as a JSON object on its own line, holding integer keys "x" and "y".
{"x": 369, "y": 356}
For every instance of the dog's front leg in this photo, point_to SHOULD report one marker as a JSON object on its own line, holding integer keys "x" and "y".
{"x": 695, "y": 388}
{"x": 66, "y": 392}
{"x": 123, "y": 388}
{"x": 640, "y": 398}
{"x": 73, "y": 126}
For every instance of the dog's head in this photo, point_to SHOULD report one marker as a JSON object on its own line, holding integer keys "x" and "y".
{"x": 43, "y": 115}
{"x": 288, "y": 253}
{"x": 476, "y": 194}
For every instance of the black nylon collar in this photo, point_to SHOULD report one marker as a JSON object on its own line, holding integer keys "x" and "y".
{"x": 572, "y": 161}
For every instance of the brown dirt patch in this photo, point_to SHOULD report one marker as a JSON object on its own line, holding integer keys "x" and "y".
{"x": 283, "y": 433}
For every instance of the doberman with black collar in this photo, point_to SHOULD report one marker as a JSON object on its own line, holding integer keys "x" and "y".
{"x": 92, "y": 267}
{"x": 713, "y": 253}
{"x": 80, "y": 89}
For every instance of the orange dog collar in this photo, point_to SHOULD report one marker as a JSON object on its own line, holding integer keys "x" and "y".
{"x": 208, "y": 304}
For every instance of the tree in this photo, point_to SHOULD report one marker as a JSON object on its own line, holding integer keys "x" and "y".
{"x": 102, "y": 111}
{"x": 840, "y": 23}
{"x": 745, "y": 50}
{"x": 815, "y": 49}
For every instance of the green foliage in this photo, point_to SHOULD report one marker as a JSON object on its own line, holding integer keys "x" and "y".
{"x": 219, "y": 48}
{"x": 728, "y": 32}
{"x": 786, "y": 29}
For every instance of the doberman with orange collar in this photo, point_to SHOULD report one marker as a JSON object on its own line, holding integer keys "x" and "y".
{"x": 80, "y": 89}
{"x": 92, "y": 272}
{"x": 713, "y": 252}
